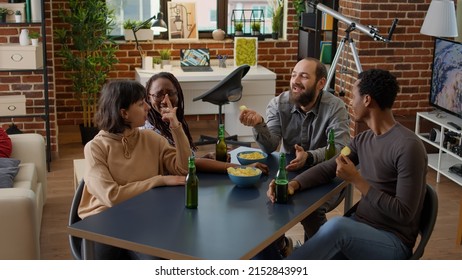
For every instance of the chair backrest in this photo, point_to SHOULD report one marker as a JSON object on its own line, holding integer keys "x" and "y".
{"x": 76, "y": 242}
{"x": 427, "y": 221}
{"x": 228, "y": 90}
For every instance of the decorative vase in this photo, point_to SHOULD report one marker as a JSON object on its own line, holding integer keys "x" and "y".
{"x": 218, "y": 34}
{"x": 24, "y": 37}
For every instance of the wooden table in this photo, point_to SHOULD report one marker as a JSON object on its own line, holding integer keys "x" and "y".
{"x": 230, "y": 222}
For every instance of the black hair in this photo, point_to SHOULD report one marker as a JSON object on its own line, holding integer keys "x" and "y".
{"x": 381, "y": 85}
{"x": 155, "y": 118}
{"x": 117, "y": 95}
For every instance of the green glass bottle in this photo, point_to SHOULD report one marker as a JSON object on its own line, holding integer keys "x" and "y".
{"x": 192, "y": 185}
{"x": 282, "y": 181}
{"x": 330, "y": 148}
{"x": 221, "y": 150}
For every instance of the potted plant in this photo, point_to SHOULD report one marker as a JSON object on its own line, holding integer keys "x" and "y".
{"x": 238, "y": 28}
{"x": 34, "y": 37}
{"x": 277, "y": 14}
{"x": 17, "y": 16}
{"x": 156, "y": 61}
{"x": 143, "y": 34}
{"x": 88, "y": 53}
{"x": 3, "y": 13}
{"x": 165, "y": 55}
{"x": 255, "y": 26}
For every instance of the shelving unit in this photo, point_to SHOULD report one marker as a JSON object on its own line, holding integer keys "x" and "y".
{"x": 444, "y": 158}
{"x": 312, "y": 32}
{"x": 44, "y": 70}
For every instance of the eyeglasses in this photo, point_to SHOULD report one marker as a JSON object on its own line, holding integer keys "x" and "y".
{"x": 161, "y": 95}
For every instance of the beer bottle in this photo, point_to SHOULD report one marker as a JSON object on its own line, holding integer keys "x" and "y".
{"x": 192, "y": 185}
{"x": 281, "y": 180}
{"x": 330, "y": 148}
{"x": 221, "y": 151}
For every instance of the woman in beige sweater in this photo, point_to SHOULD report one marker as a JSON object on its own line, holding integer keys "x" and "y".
{"x": 123, "y": 161}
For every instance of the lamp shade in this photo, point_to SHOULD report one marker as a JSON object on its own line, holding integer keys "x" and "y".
{"x": 440, "y": 20}
{"x": 159, "y": 24}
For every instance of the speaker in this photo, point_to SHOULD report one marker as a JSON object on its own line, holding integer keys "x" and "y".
{"x": 435, "y": 135}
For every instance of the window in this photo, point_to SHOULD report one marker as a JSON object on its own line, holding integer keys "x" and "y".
{"x": 212, "y": 14}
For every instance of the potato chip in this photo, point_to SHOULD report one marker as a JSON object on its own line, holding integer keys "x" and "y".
{"x": 345, "y": 151}
{"x": 243, "y": 171}
{"x": 242, "y": 107}
{"x": 252, "y": 155}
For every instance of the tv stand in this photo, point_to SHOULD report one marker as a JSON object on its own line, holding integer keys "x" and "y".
{"x": 444, "y": 158}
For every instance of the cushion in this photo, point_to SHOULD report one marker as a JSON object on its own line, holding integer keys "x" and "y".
{"x": 8, "y": 170}
{"x": 5, "y": 144}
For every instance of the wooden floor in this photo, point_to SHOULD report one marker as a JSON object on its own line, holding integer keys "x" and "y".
{"x": 54, "y": 239}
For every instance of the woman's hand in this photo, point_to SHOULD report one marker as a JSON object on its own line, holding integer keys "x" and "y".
{"x": 169, "y": 113}
{"x": 299, "y": 161}
{"x": 174, "y": 180}
{"x": 263, "y": 167}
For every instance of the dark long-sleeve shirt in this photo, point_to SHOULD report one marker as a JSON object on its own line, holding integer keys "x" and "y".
{"x": 395, "y": 166}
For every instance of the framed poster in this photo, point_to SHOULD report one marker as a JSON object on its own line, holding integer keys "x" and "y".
{"x": 182, "y": 22}
{"x": 245, "y": 51}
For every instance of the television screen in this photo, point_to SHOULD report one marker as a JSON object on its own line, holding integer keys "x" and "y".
{"x": 446, "y": 82}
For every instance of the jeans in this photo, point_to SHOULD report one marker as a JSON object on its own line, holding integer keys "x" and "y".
{"x": 346, "y": 238}
{"x": 311, "y": 225}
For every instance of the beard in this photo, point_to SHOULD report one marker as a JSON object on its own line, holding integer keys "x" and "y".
{"x": 304, "y": 98}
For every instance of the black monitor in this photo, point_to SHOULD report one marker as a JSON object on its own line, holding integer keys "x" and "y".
{"x": 446, "y": 81}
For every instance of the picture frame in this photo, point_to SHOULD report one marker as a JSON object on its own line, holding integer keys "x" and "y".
{"x": 182, "y": 21}
{"x": 246, "y": 51}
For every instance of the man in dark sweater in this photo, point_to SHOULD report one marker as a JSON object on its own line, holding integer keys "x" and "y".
{"x": 391, "y": 180}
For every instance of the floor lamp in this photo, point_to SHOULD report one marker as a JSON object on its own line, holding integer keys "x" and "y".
{"x": 440, "y": 20}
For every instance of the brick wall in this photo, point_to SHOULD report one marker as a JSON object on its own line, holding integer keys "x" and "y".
{"x": 408, "y": 56}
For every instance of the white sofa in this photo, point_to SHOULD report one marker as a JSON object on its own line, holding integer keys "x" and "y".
{"x": 21, "y": 206}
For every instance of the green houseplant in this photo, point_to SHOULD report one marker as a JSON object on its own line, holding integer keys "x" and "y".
{"x": 87, "y": 51}
{"x": 165, "y": 55}
{"x": 277, "y": 9}
{"x": 238, "y": 28}
{"x": 255, "y": 26}
{"x": 3, "y": 13}
{"x": 143, "y": 34}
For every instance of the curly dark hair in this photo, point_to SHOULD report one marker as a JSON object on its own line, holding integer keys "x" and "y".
{"x": 116, "y": 95}
{"x": 381, "y": 85}
{"x": 155, "y": 118}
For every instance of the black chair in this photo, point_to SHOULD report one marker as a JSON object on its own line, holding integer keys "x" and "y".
{"x": 76, "y": 242}
{"x": 228, "y": 90}
{"x": 427, "y": 222}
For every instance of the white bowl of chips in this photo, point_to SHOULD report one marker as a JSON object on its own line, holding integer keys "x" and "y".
{"x": 244, "y": 176}
{"x": 249, "y": 157}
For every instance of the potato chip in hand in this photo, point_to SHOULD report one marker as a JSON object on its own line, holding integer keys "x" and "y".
{"x": 345, "y": 151}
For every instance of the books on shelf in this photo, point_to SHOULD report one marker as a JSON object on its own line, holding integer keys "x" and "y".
{"x": 327, "y": 22}
{"x": 326, "y": 52}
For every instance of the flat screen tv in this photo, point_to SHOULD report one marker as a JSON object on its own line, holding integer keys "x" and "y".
{"x": 446, "y": 82}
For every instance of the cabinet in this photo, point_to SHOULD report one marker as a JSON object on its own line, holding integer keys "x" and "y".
{"x": 35, "y": 111}
{"x": 444, "y": 158}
